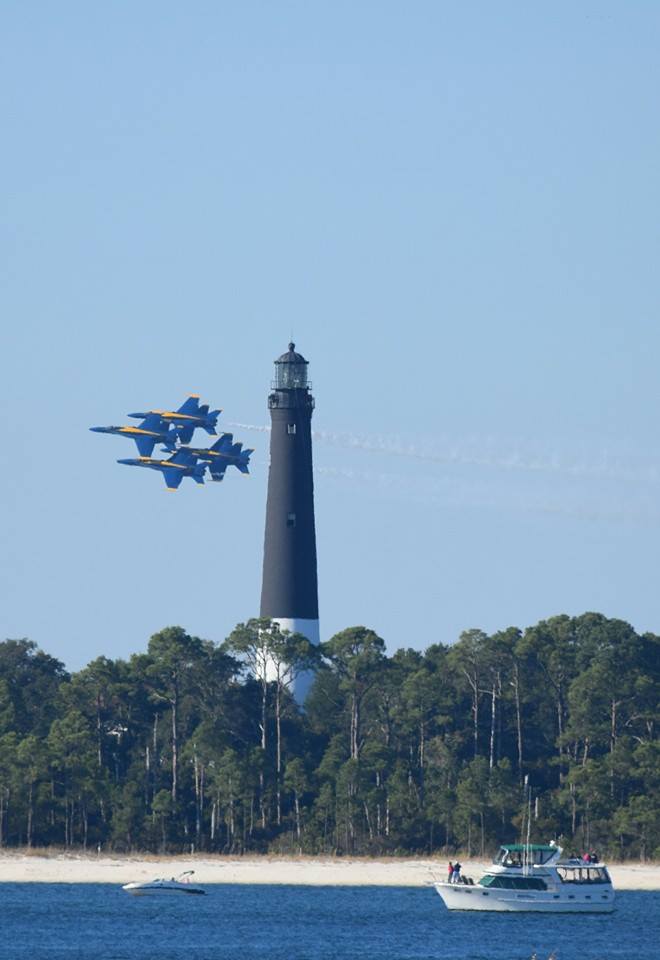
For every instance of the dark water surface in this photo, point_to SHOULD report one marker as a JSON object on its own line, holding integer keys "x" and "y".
{"x": 44, "y": 921}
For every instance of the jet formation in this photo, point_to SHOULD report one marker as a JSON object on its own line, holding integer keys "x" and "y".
{"x": 174, "y": 430}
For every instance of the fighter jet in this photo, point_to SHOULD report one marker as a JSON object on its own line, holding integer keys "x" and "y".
{"x": 224, "y": 453}
{"x": 182, "y": 464}
{"x": 189, "y": 416}
{"x": 151, "y": 431}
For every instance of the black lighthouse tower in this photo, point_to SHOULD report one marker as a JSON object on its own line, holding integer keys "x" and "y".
{"x": 289, "y": 592}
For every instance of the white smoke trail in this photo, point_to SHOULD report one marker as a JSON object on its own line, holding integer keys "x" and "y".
{"x": 590, "y": 504}
{"x": 250, "y": 426}
{"x": 453, "y": 453}
{"x": 450, "y": 452}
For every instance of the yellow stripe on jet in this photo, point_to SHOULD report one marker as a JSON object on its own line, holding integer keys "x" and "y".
{"x": 163, "y": 463}
{"x": 165, "y": 414}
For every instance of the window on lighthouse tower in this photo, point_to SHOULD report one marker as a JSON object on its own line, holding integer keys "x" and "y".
{"x": 291, "y": 428}
{"x": 290, "y": 519}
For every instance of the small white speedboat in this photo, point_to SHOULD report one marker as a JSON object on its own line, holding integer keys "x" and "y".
{"x": 163, "y": 887}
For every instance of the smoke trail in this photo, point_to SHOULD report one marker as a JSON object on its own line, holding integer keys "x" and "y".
{"x": 434, "y": 451}
{"x": 591, "y": 505}
{"x": 452, "y": 453}
{"x": 250, "y": 426}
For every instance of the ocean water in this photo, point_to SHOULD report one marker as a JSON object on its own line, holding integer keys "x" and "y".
{"x": 101, "y": 922}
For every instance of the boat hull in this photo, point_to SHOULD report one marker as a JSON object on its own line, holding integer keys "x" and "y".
{"x": 152, "y": 891}
{"x": 458, "y": 896}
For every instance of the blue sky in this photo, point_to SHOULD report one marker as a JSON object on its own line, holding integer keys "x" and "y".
{"x": 452, "y": 208}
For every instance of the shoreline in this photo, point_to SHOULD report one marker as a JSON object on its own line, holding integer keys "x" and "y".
{"x": 21, "y": 867}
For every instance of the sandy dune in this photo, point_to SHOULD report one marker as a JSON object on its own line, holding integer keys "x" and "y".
{"x": 70, "y": 868}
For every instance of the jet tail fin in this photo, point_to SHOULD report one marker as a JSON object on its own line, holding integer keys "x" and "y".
{"x": 211, "y": 420}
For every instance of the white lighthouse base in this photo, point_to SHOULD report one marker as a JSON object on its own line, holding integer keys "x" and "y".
{"x": 309, "y": 629}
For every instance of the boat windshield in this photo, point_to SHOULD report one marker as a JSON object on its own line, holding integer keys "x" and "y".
{"x": 516, "y": 854}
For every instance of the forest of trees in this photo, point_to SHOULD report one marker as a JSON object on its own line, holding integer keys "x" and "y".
{"x": 189, "y": 746}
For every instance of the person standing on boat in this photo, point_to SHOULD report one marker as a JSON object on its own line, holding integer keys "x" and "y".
{"x": 450, "y": 872}
{"x": 456, "y": 877}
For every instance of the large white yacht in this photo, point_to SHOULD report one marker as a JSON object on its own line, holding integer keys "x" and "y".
{"x": 533, "y": 877}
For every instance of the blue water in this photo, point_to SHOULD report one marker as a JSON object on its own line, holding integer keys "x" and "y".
{"x": 101, "y": 922}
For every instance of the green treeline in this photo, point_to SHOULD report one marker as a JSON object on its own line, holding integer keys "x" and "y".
{"x": 195, "y": 746}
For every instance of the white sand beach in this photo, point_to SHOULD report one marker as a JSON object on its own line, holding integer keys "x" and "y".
{"x": 23, "y": 867}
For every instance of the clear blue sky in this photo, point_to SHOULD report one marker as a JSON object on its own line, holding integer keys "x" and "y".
{"x": 454, "y": 210}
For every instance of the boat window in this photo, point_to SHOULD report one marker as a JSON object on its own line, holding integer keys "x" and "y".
{"x": 513, "y": 883}
{"x": 583, "y": 875}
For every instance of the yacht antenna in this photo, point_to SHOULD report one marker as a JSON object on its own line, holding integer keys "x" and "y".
{"x": 526, "y": 861}
{"x": 522, "y": 821}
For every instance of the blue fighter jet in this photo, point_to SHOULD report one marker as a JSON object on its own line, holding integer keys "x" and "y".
{"x": 151, "y": 431}
{"x": 224, "y": 453}
{"x": 189, "y": 416}
{"x": 182, "y": 464}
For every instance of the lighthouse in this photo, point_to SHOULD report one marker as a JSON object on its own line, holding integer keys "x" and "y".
{"x": 289, "y": 592}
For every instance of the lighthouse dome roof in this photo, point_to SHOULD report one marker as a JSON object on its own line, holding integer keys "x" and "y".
{"x": 291, "y": 356}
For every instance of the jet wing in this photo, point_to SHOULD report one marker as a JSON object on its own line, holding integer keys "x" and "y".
{"x": 153, "y": 421}
{"x": 172, "y": 478}
{"x": 145, "y": 445}
{"x": 223, "y": 443}
{"x": 190, "y": 407}
{"x": 185, "y": 433}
